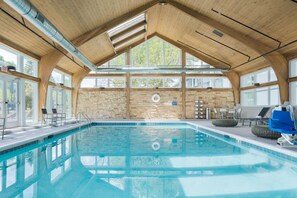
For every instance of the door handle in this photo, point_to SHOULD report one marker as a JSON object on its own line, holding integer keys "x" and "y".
{"x": 6, "y": 102}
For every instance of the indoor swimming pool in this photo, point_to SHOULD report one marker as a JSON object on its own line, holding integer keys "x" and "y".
{"x": 145, "y": 160}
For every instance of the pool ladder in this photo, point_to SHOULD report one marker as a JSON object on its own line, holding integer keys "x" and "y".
{"x": 85, "y": 116}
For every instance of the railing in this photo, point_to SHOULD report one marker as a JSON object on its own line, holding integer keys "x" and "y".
{"x": 79, "y": 116}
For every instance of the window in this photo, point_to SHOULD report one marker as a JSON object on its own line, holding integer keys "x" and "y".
{"x": 60, "y": 99}
{"x": 204, "y": 82}
{"x": 31, "y": 101}
{"x": 119, "y": 61}
{"x": 104, "y": 82}
{"x": 126, "y": 30}
{"x": 261, "y": 76}
{"x": 155, "y": 52}
{"x": 23, "y": 64}
{"x": 260, "y": 96}
{"x": 153, "y": 82}
{"x": 193, "y": 62}
{"x": 293, "y": 68}
{"x": 61, "y": 78}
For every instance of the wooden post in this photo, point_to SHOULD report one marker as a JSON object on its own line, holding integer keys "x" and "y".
{"x": 184, "y": 86}
{"x": 128, "y": 89}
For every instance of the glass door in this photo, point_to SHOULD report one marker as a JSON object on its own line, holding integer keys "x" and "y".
{"x": 11, "y": 103}
{"x": 57, "y": 99}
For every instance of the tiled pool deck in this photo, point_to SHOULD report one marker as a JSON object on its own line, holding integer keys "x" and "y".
{"x": 16, "y": 137}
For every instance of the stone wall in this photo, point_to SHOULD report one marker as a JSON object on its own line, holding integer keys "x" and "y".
{"x": 211, "y": 99}
{"x": 107, "y": 104}
{"x": 142, "y": 106}
{"x": 102, "y": 104}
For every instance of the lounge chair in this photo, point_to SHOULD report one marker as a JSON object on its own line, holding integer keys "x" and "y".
{"x": 283, "y": 123}
{"x": 59, "y": 116}
{"x": 260, "y": 117}
{"x": 46, "y": 116}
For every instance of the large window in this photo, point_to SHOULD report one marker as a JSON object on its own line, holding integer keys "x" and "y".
{"x": 61, "y": 78}
{"x": 156, "y": 82}
{"x": 261, "y": 76}
{"x": 118, "y": 61}
{"x": 293, "y": 68}
{"x": 193, "y": 62}
{"x": 104, "y": 82}
{"x": 23, "y": 64}
{"x": 205, "y": 82}
{"x": 260, "y": 96}
{"x": 155, "y": 53}
{"x": 293, "y": 85}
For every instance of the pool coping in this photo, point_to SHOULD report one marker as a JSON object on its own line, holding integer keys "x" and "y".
{"x": 45, "y": 133}
{"x": 41, "y": 135}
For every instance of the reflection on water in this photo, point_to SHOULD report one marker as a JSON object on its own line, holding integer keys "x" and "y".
{"x": 120, "y": 162}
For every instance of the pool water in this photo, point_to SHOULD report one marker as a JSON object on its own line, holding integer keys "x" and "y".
{"x": 120, "y": 161}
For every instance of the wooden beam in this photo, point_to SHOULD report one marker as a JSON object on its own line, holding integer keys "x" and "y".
{"x": 294, "y": 79}
{"x": 102, "y": 89}
{"x": 111, "y": 24}
{"x": 104, "y": 75}
{"x": 277, "y": 61}
{"x": 20, "y": 75}
{"x": 128, "y": 30}
{"x": 61, "y": 86}
{"x": 18, "y": 48}
{"x": 259, "y": 86}
{"x": 130, "y": 38}
{"x": 210, "y": 90}
{"x": 63, "y": 70}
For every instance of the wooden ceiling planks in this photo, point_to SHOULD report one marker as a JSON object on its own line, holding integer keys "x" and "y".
{"x": 74, "y": 18}
{"x": 18, "y": 34}
{"x": 100, "y": 47}
{"x": 276, "y": 18}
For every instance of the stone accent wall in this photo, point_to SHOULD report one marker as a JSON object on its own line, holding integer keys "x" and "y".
{"x": 211, "y": 99}
{"x": 112, "y": 104}
{"x": 102, "y": 104}
{"x": 142, "y": 106}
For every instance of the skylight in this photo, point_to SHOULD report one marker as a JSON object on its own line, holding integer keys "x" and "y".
{"x": 128, "y": 31}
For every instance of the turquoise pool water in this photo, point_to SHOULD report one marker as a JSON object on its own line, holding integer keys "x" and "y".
{"x": 119, "y": 161}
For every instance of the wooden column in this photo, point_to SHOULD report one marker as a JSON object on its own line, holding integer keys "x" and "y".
{"x": 76, "y": 80}
{"x": 235, "y": 82}
{"x": 280, "y": 66}
{"x": 184, "y": 112}
{"x": 128, "y": 88}
{"x": 46, "y": 65}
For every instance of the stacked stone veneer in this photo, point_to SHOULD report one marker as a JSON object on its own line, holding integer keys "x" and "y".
{"x": 142, "y": 106}
{"x": 211, "y": 99}
{"x": 113, "y": 104}
{"x": 102, "y": 104}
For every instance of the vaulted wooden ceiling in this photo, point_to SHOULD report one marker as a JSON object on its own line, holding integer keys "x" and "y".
{"x": 276, "y": 18}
